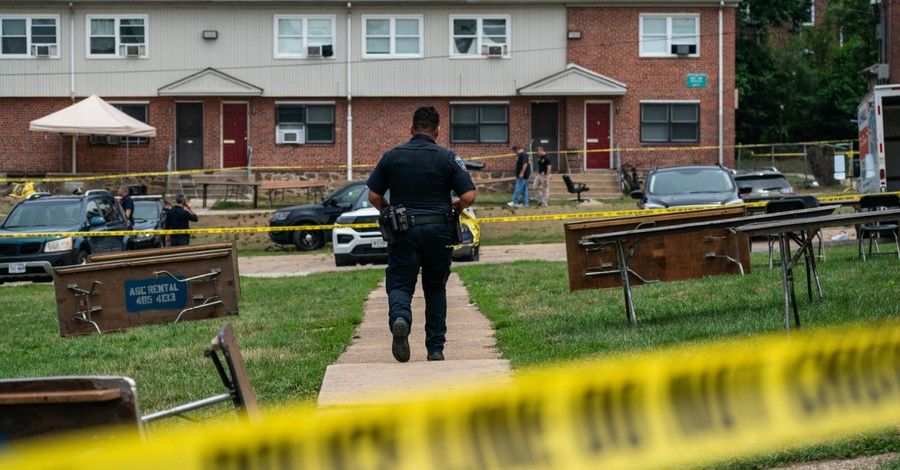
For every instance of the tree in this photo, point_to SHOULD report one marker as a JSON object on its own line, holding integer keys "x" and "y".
{"x": 801, "y": 83}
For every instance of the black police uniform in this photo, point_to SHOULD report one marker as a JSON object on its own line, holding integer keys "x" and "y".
{"x": 420, "y": 175}
{"x": 178, "y": 218}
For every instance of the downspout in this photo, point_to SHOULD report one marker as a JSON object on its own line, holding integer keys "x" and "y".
{"x": 349, "y": 101}
{"x": 721, "y": 81}
{"x": 72, "y": 73}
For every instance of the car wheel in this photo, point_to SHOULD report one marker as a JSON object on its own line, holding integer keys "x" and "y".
{"x": 308, "y": 240}
{"x": 82, "y": 257}
{"x": 343, "y": 261}
{"x": 476, "y": 254}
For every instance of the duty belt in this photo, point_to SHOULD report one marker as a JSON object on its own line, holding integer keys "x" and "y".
{"x": 427, "y": 219}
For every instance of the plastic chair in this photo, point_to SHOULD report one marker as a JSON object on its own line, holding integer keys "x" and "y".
{"x": 875, "y": 231}
{"x": 575, "y": 188}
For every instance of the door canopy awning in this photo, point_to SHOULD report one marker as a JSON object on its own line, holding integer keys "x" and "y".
{"x": 573, "y": 81}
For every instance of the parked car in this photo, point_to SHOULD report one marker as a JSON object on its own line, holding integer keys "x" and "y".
{"x": 32, "y": 258}
{"x": 149, "y": 214}
{"x": 365, "y": 245}
{"x": 765, "y": 185}
{"x": 688, "y": 185}
{"x": 342, "y": 200}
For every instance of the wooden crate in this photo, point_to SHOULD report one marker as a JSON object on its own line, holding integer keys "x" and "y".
{"x": 662, "y": 258}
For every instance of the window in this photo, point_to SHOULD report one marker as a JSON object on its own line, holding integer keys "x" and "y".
{"x": 113, "y": 36}
{"x": 661, "y": 36}
{"x": 304, "y": 123}
{"x": 479, "y": 123}
{"x": 22, "y": 36}
{"x": 473, "y": 37}
{"x": 298, "y": 36}
{"x": 139, "y": 111}
{"x": 670, "y": 122}
{"x": 808, "y": 15}
{"x": 392, "y": 37}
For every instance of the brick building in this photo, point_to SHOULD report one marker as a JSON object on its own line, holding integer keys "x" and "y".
{"x": 327, "y": 85}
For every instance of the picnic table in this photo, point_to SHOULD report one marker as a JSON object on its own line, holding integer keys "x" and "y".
{"x": 631, "y": 238}
{"x": 805, "y": 227}
{"x": 231, "y": 186}
{"x": 311, "y": 186}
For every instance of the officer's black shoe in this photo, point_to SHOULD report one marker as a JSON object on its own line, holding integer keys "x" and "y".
{"x": 436, "y": 356}
{"x": 400, "y": 346}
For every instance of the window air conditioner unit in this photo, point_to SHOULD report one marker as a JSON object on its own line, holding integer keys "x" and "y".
{"x": 684, "y": 49}
{"x": 493, "y": 51}
{"x": 41, "y": 51}
{"x": 112, "y": 140}
{"x": 290, "y": 137}
{"x": 133, "y": 50}
{"x": 314, "y": 51}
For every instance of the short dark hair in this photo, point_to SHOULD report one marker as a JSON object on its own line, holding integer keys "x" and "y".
{"x": 515, "y": 147}
{"x": 179, "y": 198}
{"x": 426, "y": 119}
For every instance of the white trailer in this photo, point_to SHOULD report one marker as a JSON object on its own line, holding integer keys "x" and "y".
{"x": 879, "y": 140}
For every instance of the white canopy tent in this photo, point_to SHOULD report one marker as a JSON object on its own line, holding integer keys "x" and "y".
{"x": 92, "y": 115}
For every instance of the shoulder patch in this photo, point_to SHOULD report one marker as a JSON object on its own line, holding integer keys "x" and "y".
{"x": 460, "y": 162}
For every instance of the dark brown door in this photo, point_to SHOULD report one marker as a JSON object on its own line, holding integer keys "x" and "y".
{"x": 189, "y": 136}
{"x": 234, "y": 135}
{"x": 545, "y": 130}
{"x": 597, "y": 136}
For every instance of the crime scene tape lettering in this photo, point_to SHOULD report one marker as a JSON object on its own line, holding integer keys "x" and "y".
{"x": 669, "y": 408}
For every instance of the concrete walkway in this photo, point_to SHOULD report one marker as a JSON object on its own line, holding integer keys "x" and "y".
{"x": 367, "y": 374}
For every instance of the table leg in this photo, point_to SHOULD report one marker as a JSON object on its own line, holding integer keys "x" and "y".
{"x": 815, "y": 268}
{"x": 785, "y": 280}
{"x": 255, "y": 196}
{"x": 623, "y": 270}
{"x": 204, "y": 194}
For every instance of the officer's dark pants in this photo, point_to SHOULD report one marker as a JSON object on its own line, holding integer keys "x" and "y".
{"x": 179, "y": 240}
{"x": 425, "y": 247}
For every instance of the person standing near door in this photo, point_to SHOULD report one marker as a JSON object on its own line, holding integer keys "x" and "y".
{"x": 523, "y": 172}
{"x": 542, "y": 179}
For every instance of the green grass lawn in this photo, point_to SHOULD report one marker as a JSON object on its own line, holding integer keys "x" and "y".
{"x": 290, "y": 329}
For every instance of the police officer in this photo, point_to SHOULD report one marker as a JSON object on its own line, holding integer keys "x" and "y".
{"x": 178, "y": 217}
{"x": 420, "y": 175}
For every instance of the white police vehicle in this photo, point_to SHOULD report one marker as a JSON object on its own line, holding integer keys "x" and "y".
{"x": 365, "y": 245}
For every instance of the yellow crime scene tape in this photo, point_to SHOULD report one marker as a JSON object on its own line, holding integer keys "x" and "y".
{"x": 664, "y": 409}
{"x": 474, "y": 224}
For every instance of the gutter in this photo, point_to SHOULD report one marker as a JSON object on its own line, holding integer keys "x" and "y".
{"x": 721, "y": 111}
{"x": 349, "y": 100}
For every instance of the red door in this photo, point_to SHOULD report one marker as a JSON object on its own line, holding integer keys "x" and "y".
{"x": 234, "y": 135}
{"x": 597, "y": 132}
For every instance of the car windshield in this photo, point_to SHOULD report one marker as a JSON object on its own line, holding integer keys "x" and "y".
{"x": 44, "y": 214}
{"x": 146, "y": 210}
{"x": 764, "y": 182}
{"x": 690, "y": 181}
{"x": 348, "y": 194}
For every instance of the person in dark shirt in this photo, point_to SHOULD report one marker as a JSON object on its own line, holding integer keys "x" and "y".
{"x": 127, "y": 204}
{"x": 523, "y": 172}
{"x": 420, "y": 175}
{"x": 179, "y": 217}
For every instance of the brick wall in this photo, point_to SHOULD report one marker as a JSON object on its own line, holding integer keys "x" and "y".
{"x": 609, "y": 46}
